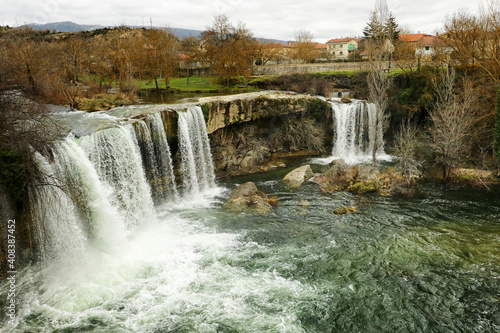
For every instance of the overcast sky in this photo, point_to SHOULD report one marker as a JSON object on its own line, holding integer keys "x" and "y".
{"x": 279, "y": 19}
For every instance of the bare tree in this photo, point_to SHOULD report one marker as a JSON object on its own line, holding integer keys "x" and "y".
{"x": 190, "y": 47}
{"x": 405, "y": 147}
{"x": 451, "y": 120}
{"x": 265, "y": 52}
{"x": 305, "y": 48}
{"x": 379, "y": 82}
{"x": 476, "y": 38}
{"x": 228, "y": 49}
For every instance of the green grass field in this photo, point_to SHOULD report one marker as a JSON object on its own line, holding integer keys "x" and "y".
{"x": 196, "y": 84}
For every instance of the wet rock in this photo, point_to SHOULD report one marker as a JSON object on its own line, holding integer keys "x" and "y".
{"x": 344, "y": 210}
{"x": 363, "y": 187}
{"x": 328, "y": 184}
{"x": 298, "y": 176}
{"x": 248, "y": 196}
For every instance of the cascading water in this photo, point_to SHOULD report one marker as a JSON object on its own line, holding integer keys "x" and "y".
{"x": 355, "y": 130}
{"x": 58, "y": 229}
{"x": 102, "y": 222}
{"x": 75, "y": 208}
{"x": 156, "y": 156}
{"x": 116, "y": 157}
{"x": 196, "y": 158}
{"x": 355, "y": 125}
{"x": 403, "y": 265}
{"x": 162, "y": 153}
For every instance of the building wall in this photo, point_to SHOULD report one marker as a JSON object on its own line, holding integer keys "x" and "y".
{"x": 341, "y": 50}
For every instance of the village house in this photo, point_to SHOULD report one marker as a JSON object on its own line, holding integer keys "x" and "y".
{"x": 425, "y": 45}
{"x": 340, "y": 48}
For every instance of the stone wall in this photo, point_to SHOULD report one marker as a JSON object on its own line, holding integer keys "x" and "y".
{"x": 309, "y": 68}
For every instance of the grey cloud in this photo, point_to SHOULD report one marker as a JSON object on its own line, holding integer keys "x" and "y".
{"x": 272, "y": 19}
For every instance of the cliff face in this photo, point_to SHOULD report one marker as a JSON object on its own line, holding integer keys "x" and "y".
{"x": 223, "y": 111}
{"x": 252, "y": 132}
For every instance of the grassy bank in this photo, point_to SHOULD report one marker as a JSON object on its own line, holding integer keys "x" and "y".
{"x": 196, "y": 84}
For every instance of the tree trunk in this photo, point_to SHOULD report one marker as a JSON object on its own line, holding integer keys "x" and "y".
{"x": 496, "y": 143}
{"x": 377, "y": 143}
{"x": 156, "y": 84}
{"x": 31, "y": 80}
{"x": 187, "y": 72}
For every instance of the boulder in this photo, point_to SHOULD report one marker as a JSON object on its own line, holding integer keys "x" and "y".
{"x": 344, "y": 210}
{"x": 298, "y": 176}
{"x": 363, "y": 187}
{"x": 248, "y": 196}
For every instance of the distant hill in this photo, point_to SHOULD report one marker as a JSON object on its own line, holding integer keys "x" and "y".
{"x": 64, "y": 26}
{"x": 69, "y": 26}
{"x": 181, "y": 33}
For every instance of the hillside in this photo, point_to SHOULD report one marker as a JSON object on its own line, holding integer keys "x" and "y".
{"x": 69, "y": 26}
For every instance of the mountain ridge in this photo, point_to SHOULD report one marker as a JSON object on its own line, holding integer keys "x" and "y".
{"x": 69, "y": 26}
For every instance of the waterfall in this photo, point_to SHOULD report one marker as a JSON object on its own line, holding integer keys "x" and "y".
{"x": 355, "y": 131}
{"x": 156, "y": 156}
{"x": 102, "y": 221}
{"x": 103, "y": 184}
{"x": 196, "y": 159}
{"x": 57, "y": 227}
{"x": 75, "y": 208}
{"x": 115, "y": 154}
{"x": 162, "y": 154}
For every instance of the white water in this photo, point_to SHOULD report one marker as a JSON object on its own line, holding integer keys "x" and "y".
{"x": 101, "y": 194}
{"x": 355, "y": 131}
{"x": 196, "y": 158}
{"x": 115, "y": 155}
{"x": 53, "y": 205}
{"x": 162, "y": 153}
{"x": 159, "y": 277}
{"x": 156, "y": 157}
{"x": 167, "y": 276}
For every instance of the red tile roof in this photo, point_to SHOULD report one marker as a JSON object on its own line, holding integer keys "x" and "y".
{"x": 412, "y": 37}
{"x": 339, "y": 40}
{"x": 321, "y": 46}
{"x": 431, "y": 41}
{"x": 422, "y": 39}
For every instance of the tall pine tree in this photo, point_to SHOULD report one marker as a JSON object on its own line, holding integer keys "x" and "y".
{"x": 373, "y": 28}
{"x": 391, "y": 28}
{"x": 378, "y": 29}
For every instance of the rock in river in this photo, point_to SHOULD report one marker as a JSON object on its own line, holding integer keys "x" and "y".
{"x": 298, "y": 176}
{"x": 248, "y": 196}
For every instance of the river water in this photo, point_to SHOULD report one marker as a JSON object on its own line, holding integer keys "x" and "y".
{"x": 428, "y": 263}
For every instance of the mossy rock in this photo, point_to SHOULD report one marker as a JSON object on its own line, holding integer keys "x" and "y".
{"x": 363, "y": 187}
{"x": 344, "y": 210}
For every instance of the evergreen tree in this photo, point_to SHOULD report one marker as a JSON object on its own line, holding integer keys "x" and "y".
{"x": 379, "y": 30}
{"x": 391, "y": 29}
{"x": 373, "y": 27}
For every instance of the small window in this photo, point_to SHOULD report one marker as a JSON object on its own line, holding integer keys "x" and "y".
{"x": 427, "y": 48}
{"x": 341, "y": 45}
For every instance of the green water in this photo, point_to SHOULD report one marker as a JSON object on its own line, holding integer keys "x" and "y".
{"x": 430, "y": 263}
